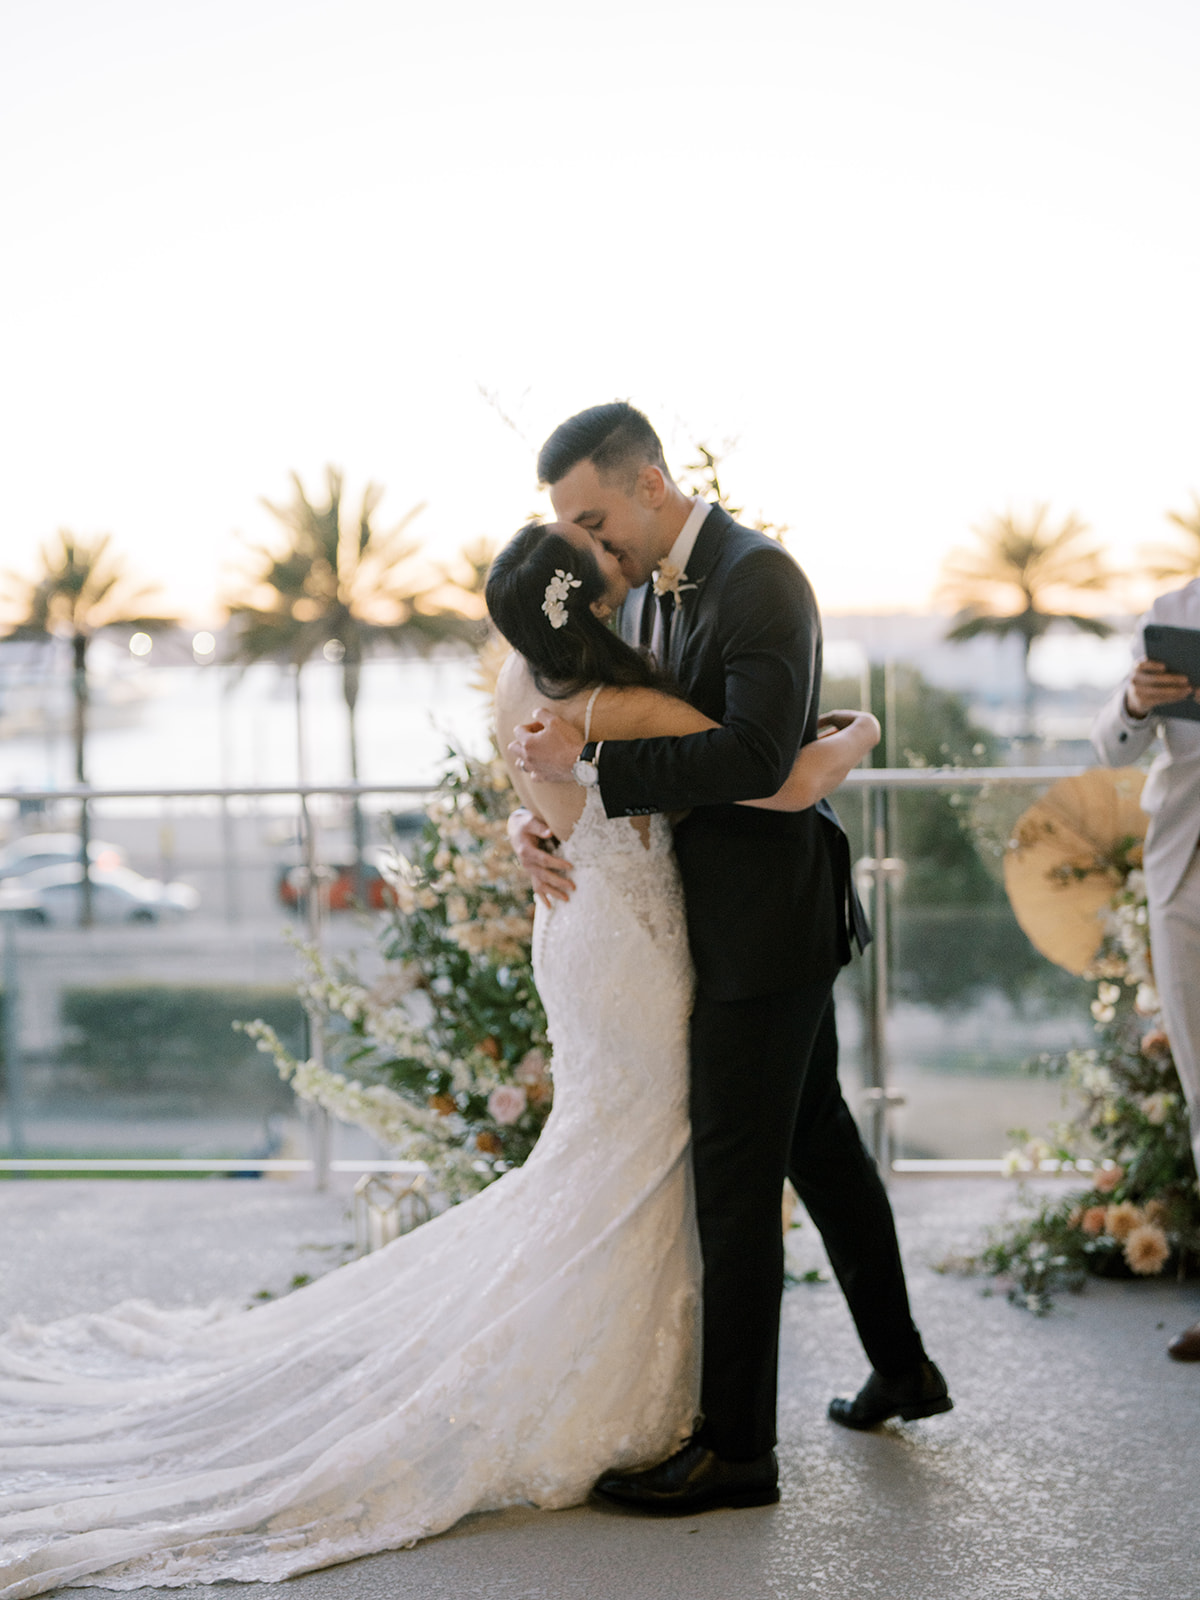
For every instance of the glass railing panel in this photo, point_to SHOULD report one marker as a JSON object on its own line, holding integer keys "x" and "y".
{"x": 123, "y": 1032}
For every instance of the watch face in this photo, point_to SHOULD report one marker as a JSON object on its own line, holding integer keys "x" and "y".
{"x": 586, "y": 773}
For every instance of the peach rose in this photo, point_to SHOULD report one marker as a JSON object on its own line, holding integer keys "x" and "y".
{"x": 531, "y": 1068}
{"x": 1092, "y": 1221}
{"x": 1146, "y": 1250}
{"x": 1155, "y": 1044}
{"x": 507, "y": 1103}
{"x": 1120, "y": 1221}
{"x": 444, "y": 1104}
{"x": 1107, "y": 1179}
{"x": 488, "y": 1143}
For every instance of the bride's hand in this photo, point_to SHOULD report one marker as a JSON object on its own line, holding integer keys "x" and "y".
{"x": 867, "y": 729}
{"x": 532, "y": 841}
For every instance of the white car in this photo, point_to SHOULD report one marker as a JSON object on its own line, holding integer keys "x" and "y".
{"x": 118, "y": 895}
{"x": 36, "y": 850}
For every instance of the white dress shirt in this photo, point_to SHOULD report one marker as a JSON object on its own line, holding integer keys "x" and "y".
{"x": 678, "y": 557}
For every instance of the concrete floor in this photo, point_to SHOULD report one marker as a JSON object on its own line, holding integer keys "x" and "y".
{"x": 1070, "y": 1469}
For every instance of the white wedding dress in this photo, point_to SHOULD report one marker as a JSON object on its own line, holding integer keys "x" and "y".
{"x": 508, "y": 1351}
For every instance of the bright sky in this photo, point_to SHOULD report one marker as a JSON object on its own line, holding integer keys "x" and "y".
{"x": 921, "y": 261}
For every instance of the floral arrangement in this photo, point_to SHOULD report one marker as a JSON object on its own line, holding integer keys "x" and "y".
{"x": 1141, "y": 1214}
{"x": 444, "y": 1060}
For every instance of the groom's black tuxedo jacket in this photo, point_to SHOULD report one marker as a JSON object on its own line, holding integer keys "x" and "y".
{"x": 770, "y": 901}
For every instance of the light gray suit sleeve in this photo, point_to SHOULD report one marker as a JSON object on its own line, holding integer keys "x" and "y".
{"x": 1117, "y": 738}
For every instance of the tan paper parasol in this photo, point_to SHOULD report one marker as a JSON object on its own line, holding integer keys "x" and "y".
{"x": 1060, "y": 868}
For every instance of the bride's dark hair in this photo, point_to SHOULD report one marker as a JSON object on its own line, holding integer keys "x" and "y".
{"x": 584, "y": 650}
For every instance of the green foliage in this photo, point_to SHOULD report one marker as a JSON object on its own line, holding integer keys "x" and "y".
{"x": 463, "y": 928}
{"x": 445, "y": 1059}
{"x": 932, "y": 728}
{"x": 954, "y": 935}
{"x": 1141, "y": 1214}
{"x": 1040, "y": 1257}
{"x": 139, "y": 1039}
{"x": 951, "y": 957}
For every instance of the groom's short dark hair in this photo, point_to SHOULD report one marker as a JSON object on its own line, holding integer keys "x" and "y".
{"x": 616, "y": 439}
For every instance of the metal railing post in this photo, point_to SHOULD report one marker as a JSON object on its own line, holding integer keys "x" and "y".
{"x": 879, "y": 870}
{"x": 319, "y": 1125}
{"x": 14, "y": 1077}
{"x": 320, "y": 1130}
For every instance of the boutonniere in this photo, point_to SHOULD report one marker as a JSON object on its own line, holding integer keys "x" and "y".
{"x": 668, "y": 579}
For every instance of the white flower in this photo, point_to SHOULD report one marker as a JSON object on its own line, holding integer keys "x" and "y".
{"x": 1037, "y": 1151}
{"x": 1094, "y": 1078}
{"x": 557, "y": 591}
{"x": 1147, "y": 1003}
{"x": 1156, "y": 1108}
{"x": 668, "y": 579}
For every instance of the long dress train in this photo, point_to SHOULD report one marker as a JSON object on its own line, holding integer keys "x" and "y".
{"x": 508, "y": 1351}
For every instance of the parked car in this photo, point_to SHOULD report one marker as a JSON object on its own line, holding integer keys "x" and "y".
{"x": 336, "y": 868}
{"x": 118, "y": 895}
{"x": 337, "y": 885}
{"x": 35, "y": 850}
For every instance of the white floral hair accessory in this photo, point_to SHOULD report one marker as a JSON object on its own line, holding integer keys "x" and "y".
{"x": 557, "y": 590}
{"x": 668, "y": 579}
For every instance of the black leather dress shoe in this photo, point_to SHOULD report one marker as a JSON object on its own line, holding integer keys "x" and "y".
{"x": 919, "y": 1393}
{"x": 1185, "y": 1346}
{"x": 694, "y": 1479}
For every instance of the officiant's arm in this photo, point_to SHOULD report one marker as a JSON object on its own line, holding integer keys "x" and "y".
{"x": 1125, "y": 727}
{"x": 767, "y": 631}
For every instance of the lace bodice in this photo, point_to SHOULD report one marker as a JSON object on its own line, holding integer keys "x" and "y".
{"x": 596, "y": 838}
{"x": 509, "y": 1351}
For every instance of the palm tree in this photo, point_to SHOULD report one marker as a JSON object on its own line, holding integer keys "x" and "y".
{"x": 343, "y": 589}
{"x": 1169, "y": 563}
{"x": 1019, "y": 580}
{"x": 83, "y": 589}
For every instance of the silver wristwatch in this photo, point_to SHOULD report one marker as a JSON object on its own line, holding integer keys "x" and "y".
{"x": 585, "y": 770}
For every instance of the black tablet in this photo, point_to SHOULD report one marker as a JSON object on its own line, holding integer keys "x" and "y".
{"x": 1179, "y": 651}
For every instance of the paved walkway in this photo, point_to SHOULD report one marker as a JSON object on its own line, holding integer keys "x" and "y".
{"x": 1070, "y": 1469}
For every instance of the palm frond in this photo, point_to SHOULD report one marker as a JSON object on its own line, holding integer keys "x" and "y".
{"x": 360, "y": 585}
{"x": 1023, "y": 568}
{"x": 82, "y": 587}
{"x": 1181, "y": 560}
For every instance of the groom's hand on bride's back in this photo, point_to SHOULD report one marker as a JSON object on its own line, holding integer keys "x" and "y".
{"x": 546, "y": 747}
{"x": 532, "y": 841}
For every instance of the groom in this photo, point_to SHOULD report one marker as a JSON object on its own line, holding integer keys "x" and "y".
{"x": 771, "y": 917}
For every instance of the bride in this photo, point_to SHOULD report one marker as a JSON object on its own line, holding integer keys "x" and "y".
{"x": 509, "y": 1351}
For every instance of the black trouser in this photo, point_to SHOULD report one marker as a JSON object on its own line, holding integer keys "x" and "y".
{"x": 765, "y": 1101}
